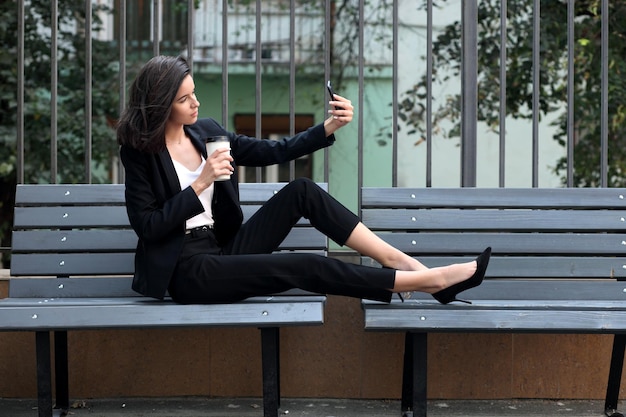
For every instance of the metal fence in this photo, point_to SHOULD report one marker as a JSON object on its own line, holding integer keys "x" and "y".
{"x": 156, "y": 15}
{"x": 561, "y": 57}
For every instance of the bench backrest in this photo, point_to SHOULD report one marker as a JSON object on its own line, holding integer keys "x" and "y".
{"x": 534, "y": 233}
{"x": 82, "y": 230}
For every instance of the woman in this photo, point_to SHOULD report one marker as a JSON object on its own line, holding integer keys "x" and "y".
{"x": 191, "y": 238}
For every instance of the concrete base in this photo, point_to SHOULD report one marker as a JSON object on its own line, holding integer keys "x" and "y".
{"x": 197, "y": 407}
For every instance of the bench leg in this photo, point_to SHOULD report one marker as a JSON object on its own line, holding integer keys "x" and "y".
{"x": 615, "y": 376}
{"x": 44, "y": 374}
{"x": 61, "y": 371}
{"x": 271, "y": 370}
{"x": 414, "y": 375}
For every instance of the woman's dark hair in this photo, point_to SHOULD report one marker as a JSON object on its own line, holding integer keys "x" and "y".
{"x": 142, "y": 123}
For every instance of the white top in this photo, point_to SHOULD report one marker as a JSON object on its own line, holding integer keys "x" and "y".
{"x": 186, "y": 177}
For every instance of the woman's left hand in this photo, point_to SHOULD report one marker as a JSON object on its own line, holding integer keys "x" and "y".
{"x": 341, "y": 113}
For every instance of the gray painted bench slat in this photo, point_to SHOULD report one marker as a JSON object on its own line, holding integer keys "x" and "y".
{"x": 88, "y": 287}
{"x": 545, "y": 198}
{"x": 129, "y": 313}
{"x": 524, "y": 243}
{"x": 492, "y": 219}
{"x": 558, "y": 266}
{"x": 105, "y": 215}
{"x": 67, "y": 241}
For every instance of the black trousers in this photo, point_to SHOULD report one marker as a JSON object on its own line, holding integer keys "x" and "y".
{"x": 246, "y": 267}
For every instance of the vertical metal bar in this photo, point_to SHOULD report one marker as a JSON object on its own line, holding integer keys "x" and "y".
{"x": 20, "y": 92}
{"x": 259, "y": 89}
{"x": 414, "y": 375}
{"x": 88, "y": 91}
{"x": 122, "y": 72}
{"x": 361, "y": 72}
{"x": 536, "y": 75}
{"x": 604, "y": 121}
{"x": 190, "y": 32}
{"x": 292, "y": 80}
{"x": 394, "y": 101}
{"x": 270, "y": 353}
{"x": 61, "y": 371}
{"x": 54, "y": 87}
{"x": 571, "y": 140}
{"x": 44, "y": 373}
{"x": 429, "y": 94}
{"x": 615, "y": 374}
{"x": 328, "y": 45}
{"x": 225, "y": 63}
{"x": 156, "y": 25}
{"x": 420, "y": 374}
{"x": 406, "y": 403}
{"x": 503, "y": 112}
{"x": 469, "y": 93}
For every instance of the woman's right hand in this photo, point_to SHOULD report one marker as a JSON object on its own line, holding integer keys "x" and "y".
{"x": 217, "y": 164}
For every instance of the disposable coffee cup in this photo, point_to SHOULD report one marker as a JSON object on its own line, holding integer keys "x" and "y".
{"x": 218, "y": 142}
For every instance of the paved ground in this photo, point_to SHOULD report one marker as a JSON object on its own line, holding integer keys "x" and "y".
{"x": 196, "y": 407}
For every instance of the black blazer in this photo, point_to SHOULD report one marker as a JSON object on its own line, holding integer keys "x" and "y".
{"x": 158, "y": 208}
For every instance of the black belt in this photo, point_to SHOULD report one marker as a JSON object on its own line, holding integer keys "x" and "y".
{"x": 198, "y": 231}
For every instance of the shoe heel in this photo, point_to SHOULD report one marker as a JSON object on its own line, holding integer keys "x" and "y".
{"x": 404, "y": 295}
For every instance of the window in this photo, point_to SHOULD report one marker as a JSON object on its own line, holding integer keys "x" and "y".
{"x": 274, "y": 127}
{"x": 139, "y": 27}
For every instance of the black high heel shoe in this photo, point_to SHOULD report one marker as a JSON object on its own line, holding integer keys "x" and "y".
{"x": 449, "y": 294}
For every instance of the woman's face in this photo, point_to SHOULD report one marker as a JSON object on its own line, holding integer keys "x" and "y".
{"x": 185, "y": 105}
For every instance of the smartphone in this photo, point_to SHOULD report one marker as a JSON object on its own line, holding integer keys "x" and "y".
{"x": 331, "y": 92}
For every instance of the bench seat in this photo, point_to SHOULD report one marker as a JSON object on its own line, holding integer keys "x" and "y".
{"x": 500, "y": 306}
{"x": 72, "y": 263}
{"x": 558, "y": 265}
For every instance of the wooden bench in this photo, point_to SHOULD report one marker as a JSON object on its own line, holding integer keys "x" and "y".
{"x": 76, "y": 243}
{"x": 558, "y": 266}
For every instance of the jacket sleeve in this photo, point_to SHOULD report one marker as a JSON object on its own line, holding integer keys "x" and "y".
{"x": 254, "y": 152}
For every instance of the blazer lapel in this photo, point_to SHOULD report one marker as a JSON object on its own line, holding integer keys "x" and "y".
{"x": 169, "y": 172}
